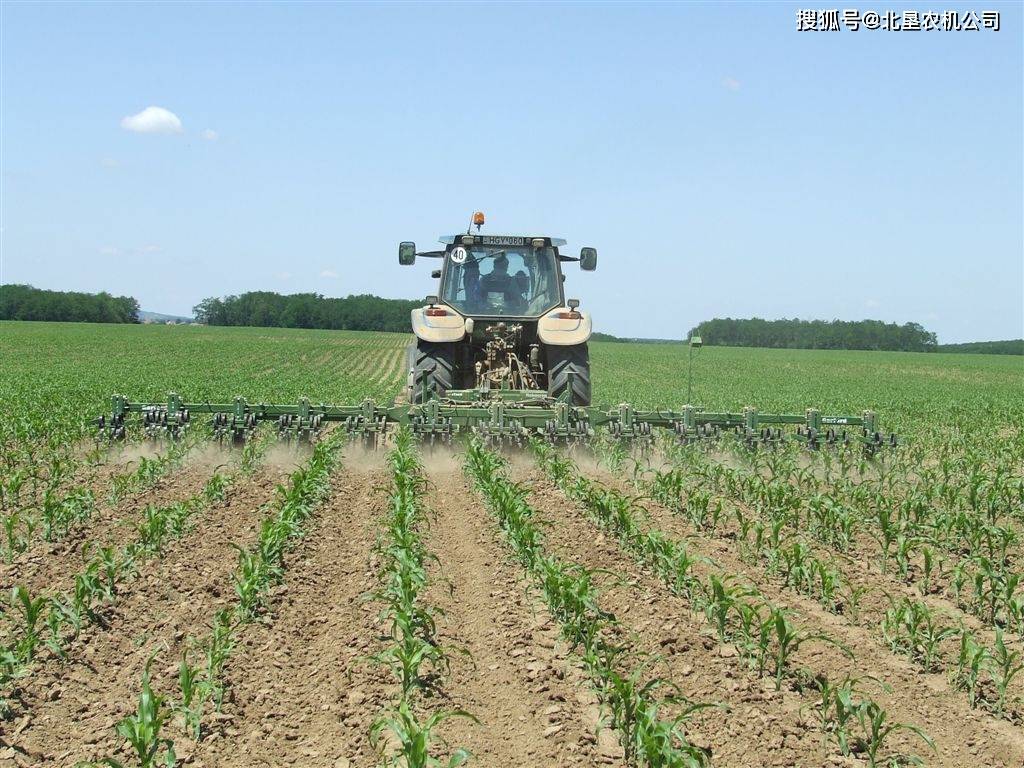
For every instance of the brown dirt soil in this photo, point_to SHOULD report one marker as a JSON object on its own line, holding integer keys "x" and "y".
{"x": 302, "y": 688}
{"x": 49, "y": 567}
{"x": 69, "y": 709}
{"x": 534, "y": 705}
{"x": 962, "y": 736}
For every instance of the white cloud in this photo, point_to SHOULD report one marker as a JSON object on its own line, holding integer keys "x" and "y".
{"x": 152, "y": 120}
{"x": 329, "y": 273}
{"x": 110, "y": 162}
{"x": 872, "y": 303}
{"x": 731, "y": 83}
{"x": 109, "y": 250}
{"x": 283, "y": 275}
{"x": 209, "y": 134}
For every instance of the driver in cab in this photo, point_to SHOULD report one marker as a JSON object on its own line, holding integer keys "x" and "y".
{"x": 500, "y": 282}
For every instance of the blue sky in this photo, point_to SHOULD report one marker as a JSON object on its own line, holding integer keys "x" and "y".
{"x": 722, "y": 163}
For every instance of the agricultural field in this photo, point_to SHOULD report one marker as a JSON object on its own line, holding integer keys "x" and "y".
{"x": 183, "y": 603}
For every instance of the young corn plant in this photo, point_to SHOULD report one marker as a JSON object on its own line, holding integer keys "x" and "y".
{"x": 217, "y": 648}
{"x": 195, "y": 690}
{"x": 788, "y": 639}
{"x": 143, "y": 728}
{"x": 30, "y": 611}
{"x": 972, "y": 662}
{"x": 1005, "y": 665}
{"x": 877, "y": 728}
{"x": 417, "y": 740}
{"x": 911, "y": 628}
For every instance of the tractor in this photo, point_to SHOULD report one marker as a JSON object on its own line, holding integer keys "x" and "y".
{"x": 500, "y": 319}
{"x": 500, "y": 355}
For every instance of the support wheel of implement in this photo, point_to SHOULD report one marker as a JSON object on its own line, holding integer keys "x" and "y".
{"x": 433, "y": 368}
{"x": 562, "y": 361}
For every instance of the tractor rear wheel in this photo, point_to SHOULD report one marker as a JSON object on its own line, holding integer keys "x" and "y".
{"x": 562, "y": 361}
{"x": 433, "y": 368}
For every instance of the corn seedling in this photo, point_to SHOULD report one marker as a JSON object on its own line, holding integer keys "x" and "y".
{"x": 142, "y": 730}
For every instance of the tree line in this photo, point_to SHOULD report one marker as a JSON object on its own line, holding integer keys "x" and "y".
{"x": 308, "y": 310}
{"x": 23, "y": 302}
{"x": 1007, "y": 347}
{"x": 816, "y": 334}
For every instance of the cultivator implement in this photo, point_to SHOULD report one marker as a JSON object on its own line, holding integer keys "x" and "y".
{"x": 497, "y": 417}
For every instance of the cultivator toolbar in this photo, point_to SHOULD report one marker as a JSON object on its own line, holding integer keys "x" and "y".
{"x": 497, "y": 417}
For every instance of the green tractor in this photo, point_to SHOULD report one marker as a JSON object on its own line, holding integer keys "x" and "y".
{"x": 500, "y": 319}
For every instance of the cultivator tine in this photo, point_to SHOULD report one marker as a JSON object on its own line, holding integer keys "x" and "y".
{"x": 112, "y": 427}
{"x": 301, "y": 427}
{"x": 234, "y": 426}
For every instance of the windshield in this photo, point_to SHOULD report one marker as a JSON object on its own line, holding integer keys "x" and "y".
{"x": 485, "y": 280}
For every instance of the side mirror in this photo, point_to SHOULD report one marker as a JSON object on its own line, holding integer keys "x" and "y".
{"x": 406, "y": 254}
{"x": 588, "y": 259}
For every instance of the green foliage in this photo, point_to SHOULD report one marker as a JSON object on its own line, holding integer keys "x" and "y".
{"x": 307, "y": 310}
{"x": 23, "y": 302}
{"x": 143, "y": 728}
{"x": 1008, "y": 347}
{"x": 815, "y": 334}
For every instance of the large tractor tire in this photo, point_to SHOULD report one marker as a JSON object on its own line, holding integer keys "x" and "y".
{"x": 563, "y": 360}
{"x": 433, "y": 365}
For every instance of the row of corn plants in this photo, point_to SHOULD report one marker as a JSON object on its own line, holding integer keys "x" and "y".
{"x": 414, "y": 656}
{"x": 763, "y": 633}
{"x": 648, "y": 737}
{"x": 907, "y": 626}
{"x": 945, "y": 526}
{"x": 201, "y": 683}
{"x": 56, "y": 509}
{"x": 56, "y": 621}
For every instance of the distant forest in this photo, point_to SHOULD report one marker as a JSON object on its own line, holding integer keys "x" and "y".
{"x": 23, "y": 302}
{"x": 1009, "y": 347}
{"x": 308, "y": 310}
{"x": 816, "y": 334}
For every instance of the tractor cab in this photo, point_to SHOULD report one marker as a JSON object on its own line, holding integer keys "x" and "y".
{"x": 506, "y": 276}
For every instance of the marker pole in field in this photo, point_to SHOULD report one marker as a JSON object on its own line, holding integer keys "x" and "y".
{"x": 694, "y": 342}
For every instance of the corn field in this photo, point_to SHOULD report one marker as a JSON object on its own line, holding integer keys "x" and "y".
{"x": 180, "y": 603}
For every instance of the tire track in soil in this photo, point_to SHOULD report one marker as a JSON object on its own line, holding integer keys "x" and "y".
{"x": 535, "y": 708}
{"x": 72, "y": 708}
{"x": 302, "y": 690}
{"x": 963, "y": 736}
{"x": 52, "y": 568}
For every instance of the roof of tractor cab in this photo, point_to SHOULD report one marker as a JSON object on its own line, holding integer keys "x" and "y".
{"x": 500, "y": 240}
